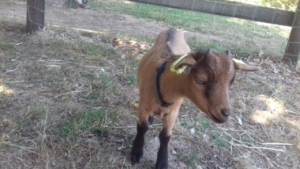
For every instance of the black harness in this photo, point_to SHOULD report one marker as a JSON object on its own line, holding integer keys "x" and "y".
{"x": 160, "y": 99}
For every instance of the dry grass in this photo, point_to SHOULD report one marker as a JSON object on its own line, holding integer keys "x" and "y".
{"x": 67, "y": 100}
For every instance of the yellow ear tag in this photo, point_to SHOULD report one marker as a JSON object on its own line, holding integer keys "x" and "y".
{"x": 173, "y": 66}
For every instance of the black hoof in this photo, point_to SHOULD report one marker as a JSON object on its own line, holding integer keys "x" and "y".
{"x": 136, "y": 155}
{"x": 161, "y": 164}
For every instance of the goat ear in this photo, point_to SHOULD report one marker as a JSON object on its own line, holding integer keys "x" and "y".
{"x": 209, "y": 53}
{"x": 187, "y": 62}
{"x": 206, "y": 57}
{"x": 240, "y": 65}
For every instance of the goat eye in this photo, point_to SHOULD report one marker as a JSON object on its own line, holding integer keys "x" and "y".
{"x": 202, "y": 82}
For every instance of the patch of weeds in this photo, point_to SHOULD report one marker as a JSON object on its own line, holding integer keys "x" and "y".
{"x": 60, "y": 45}
{"x": 6, "y": 124}
{"x": 183, "y": 123}
{"x": 131, "y": 79}
{"x": 106, "y": 81}
{"x": 100, "y": 132}
{"x": 68, "y": 129}
{"x": 98, "y": 85}
{"x": 88, "y": 48}
{"x": 215, "y": 136}
{"x": 222, "y": 142}
{"x": 87, "y": 75}
{"x": 205, "y": 125}
{"x": 188, "y": 159}
{"x": 126, "y": 166}
{"x": 87, "y": 34}
{"x": 147, "y": 165}
{"x": 235, "y": 49}
{"x": 87, "y": 121}
{"x": 93, "y": 95}
{"x": 2, "y": 97}
{"x": 216, "y": 46}
{"x": 110, "y": 51}
{"x": 93, "y": 49}
{"x": 134, "y": 63}
{"x": 31, "y": 120}
{"x": 249, "y": 141}
{"x": 5, "y": 46}
{"x": 204, "y": 45}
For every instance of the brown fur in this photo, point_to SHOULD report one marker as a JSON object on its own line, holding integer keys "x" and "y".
{"x": 168, "y": 43}
{"x": 205, "y": 82}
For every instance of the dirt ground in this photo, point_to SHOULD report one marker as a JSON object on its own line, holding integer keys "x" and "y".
{"x": 52, "y": 81}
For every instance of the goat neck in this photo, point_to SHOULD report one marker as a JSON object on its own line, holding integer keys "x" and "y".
{"x": 171, "y": 85}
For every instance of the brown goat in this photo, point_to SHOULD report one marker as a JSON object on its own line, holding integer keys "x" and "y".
{"x": 203, "y": 77}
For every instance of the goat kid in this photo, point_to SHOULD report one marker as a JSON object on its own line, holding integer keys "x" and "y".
{"x": 165, "y": 78}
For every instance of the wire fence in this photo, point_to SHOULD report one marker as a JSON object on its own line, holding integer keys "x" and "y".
{"x": 146, "y": 21}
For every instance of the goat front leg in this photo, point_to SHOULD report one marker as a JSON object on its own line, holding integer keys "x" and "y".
{"x": 164, "y": 138}
{"x": 138, "y": 144}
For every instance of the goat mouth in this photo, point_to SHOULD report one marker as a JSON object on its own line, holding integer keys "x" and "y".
{"x": 217, "y": 120}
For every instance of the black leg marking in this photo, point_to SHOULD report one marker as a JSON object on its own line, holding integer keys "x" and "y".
{"x": 137, "y": 149}
{"x": 150, "y": 120}
{"x": 162, "y": 156}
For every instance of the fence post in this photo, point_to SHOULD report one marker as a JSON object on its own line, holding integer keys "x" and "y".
{"x": 293, "y": 47}
{"x": 35, "y": 15}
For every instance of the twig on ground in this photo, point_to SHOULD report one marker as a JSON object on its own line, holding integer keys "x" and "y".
{"x": 20, "y": 81}
{"x": 278, "y": 144}
{"x": 254, "y": 148}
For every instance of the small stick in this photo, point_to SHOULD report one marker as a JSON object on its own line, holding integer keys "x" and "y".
{"x": 280, "y": 144}
{"x": 263, "y": 148}
{"x": 20, "y": 81}
{"x": 77, "y": 91}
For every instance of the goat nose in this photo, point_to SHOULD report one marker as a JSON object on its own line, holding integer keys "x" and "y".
{"x": 225, "y": 112}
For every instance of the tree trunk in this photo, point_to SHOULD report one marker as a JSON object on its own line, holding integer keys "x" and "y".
{"x": 35, "y": 15}
{"x": 293, "y": 47}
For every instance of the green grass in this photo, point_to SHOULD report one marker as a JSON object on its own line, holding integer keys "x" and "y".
{"x": 6, "y": 46}
{"x": 93, "y": 49}
{"x": 87, "y": 75}
{"x": 215, "y": 136}
{"x": 240, "y": 33}
{"x": 188, "y": 159}
{"x": 106, "y": 81}
{"x": 193, "y": 21}
{"x": 205, "y": 125}
{"x": 87, "y": 34}
{"x": 131, "y": 79}
{"x": 222, "y": 142}
{"x": 87, "y": 121}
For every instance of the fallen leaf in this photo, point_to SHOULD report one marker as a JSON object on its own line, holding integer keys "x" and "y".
{"x": 239, "y": 120}
{"x": 260, "y": 53}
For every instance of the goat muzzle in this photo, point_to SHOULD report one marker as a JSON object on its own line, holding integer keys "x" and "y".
{"x": 224, "y": 117}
